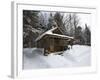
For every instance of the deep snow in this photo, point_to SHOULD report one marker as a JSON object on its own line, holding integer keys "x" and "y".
{"x": 79, "y": 55}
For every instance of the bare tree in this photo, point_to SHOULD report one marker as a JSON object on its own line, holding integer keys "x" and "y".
{"x": 71, "y": 21}
{"x": 59, "y": 18}
{"x": 75, "y": 22}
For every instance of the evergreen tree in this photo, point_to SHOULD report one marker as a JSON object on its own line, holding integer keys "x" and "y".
{"x": 30, "y": 22}
{"x": 87, "y": 34}
{"x": 79, "y": 35}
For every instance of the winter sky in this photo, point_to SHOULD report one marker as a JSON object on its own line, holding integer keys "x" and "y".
{"x": 85, "y": 19}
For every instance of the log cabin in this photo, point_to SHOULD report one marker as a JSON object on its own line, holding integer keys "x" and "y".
{"x": 53, "y": 40}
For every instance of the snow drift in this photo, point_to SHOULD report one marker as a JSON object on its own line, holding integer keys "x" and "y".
{"x": 78, "y": 56}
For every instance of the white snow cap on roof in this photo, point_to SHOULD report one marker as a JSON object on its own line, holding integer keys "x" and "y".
{"x": 50, "y": 32}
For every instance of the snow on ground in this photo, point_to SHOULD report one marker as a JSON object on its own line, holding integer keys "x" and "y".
{"x": 79, "y": 55}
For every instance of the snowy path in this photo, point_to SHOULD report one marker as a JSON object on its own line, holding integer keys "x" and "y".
{"x": 77, "y": 56}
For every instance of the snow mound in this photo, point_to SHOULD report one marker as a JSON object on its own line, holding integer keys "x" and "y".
{"x": 79, "y": 55}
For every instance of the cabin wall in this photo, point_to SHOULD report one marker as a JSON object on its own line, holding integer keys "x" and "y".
{"x": 59, "y": 44}
{"x": 44, "y": 43}
{"x": 52, "y": 44}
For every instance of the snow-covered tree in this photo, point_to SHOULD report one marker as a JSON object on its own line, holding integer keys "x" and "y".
{"x": 43, "y": 20}
{"x": 87, "y": 34}
{"x": 30, "y": 23}
{"x": 50, "y": 21}
{"x": 59, "y": 19}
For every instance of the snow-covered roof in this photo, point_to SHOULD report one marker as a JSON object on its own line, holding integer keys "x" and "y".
{"x": 47, "y": 32}
{"x": 50, "y": 32}
{"x": 61, "y": 36}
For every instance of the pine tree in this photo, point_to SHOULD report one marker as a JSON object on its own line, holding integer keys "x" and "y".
{"x": 30, "y": 22}
{"x": 87, "y": 34}
{"x": 79, "y": 35}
